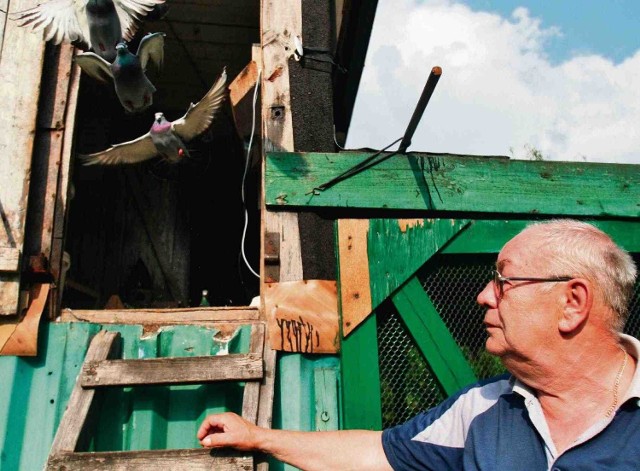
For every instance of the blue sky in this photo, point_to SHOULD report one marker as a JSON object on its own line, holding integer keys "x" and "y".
{"x": 607, "y": 27}
{"x": 559, "y": 76}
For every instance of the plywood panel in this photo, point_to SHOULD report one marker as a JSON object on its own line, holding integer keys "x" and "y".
{"x": 19, "y": 91}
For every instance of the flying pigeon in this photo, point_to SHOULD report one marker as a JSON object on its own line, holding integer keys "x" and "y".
{"x": 97, "y": 24}
{"x": 127, "y": 71}
{"x": 166, "y": 139}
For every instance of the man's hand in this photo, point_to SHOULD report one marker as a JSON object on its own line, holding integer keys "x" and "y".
{"x": 227, "y": 430}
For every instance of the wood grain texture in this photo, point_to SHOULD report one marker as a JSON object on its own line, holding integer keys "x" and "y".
{"x": 281, "y": 22}
{"x": 302, "y": 316}
{"x": 174, "y": 460}
{"x": 251, "y": 395}
{"x": 9, "y": 259}
{"x": 103, "y": 345}
{"x": 396, "y": 251}
{"x": 19, "y": 93}
{"x": 161, "y": 316}
{"x": 355, "y": 289}
{"x": 178, "y": 370}
{"x": 455, "y": 183}
{"x": 24, "y": 338}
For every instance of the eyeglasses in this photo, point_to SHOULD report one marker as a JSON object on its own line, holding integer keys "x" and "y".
{"x": 499, "y": 280}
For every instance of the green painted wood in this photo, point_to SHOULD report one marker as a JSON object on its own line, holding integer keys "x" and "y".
{"x": 326, "y": 399}
{"x": 395, "y": 255}
{"x": 488, "y": 236}
{"x": 421, "y": 181}
{"x": 432, "y": 337}
{"x": 362, "y": 405}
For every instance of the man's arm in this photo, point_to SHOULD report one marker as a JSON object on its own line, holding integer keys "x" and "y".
{"x": 341, "y": 449}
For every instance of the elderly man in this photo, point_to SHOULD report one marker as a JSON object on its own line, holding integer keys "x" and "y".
{"x": 555, "y": 310}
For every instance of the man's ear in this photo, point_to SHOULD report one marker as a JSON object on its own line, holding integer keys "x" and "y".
{"x": 578, "y": 299}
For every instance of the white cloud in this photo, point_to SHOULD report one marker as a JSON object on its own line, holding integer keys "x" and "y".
{"x": 498, "y": 93}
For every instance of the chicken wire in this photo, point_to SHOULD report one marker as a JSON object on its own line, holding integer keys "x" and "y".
{"x": 452, "y": 282}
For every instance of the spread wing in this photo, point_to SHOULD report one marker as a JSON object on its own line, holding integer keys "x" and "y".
{"x": 130, "y": 152}
{"x": 95, "y": 66}
{"x": 131, "y": 13}
{"x": 60, "y": 20}
{"x": 199, "y": 116}
{"x": 151, "y": 48}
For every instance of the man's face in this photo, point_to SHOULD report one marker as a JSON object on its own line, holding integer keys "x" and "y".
{"x": 523, "y": 322}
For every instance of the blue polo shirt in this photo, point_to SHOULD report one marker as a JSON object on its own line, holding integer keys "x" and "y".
{"x": 498, "y": 424}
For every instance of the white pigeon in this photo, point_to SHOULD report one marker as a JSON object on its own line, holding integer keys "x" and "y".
{"x": 166, "y": 139}
{"x": 97, "y": 24}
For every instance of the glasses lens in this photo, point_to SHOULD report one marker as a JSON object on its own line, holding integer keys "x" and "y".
{"x": 497, "y": 283}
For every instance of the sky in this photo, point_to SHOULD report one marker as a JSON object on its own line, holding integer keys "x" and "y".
{"x": 561, "y": 77}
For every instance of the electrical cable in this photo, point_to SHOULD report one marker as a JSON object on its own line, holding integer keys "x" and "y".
{"x": 244, "y": 176}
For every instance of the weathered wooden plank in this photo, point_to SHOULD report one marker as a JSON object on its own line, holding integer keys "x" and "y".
{"x": 251, "y": 397}
{"x": 302, "y": 316}
{"x": 175, "y": 370}
{"x": 176, "y": 460}
{"x": 281, "y": 22}
{"x": 397, "y": 251}
{"x": 355, "y": 288}
{"x": 455, "y": 183}
{"x": 19, "y": 92}
{"x": 74, "y": 419}
{"x": 9, "y": 259}
{"x": 164, "y": 316}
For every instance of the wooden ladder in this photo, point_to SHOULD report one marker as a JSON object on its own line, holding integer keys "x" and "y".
{"x": 100, "y": 370}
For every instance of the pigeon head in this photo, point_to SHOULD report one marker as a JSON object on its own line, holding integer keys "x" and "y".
{"x": 160, "y": 118}
{"x": 121, "y": 48}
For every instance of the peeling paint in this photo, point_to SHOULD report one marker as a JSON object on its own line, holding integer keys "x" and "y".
{"x": 404, "y": 224}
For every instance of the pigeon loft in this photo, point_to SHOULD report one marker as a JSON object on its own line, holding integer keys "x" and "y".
{"x": 157, "y": 233}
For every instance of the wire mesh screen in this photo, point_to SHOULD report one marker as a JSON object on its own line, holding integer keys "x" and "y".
{"x": 452, "y": 282}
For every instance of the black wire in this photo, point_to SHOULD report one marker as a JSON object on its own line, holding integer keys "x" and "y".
{"x": 365, "y": 164}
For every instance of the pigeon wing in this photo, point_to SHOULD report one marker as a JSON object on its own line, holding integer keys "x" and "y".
{"x": 131, "y": 13}
{"x": 199, "y": 116}
{"x": 151, "y": 48}
{"x": 130, "y": 152}
{"x": 60, "y": 20}
{"x": 94, "y": 66}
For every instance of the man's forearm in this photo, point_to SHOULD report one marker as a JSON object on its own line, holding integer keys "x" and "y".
{"x": 336, "y": 450}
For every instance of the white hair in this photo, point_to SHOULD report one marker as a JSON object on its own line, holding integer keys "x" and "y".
{"x": 578, "y": 249}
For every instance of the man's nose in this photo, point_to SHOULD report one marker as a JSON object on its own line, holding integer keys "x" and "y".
{"x": 487, "y": 296}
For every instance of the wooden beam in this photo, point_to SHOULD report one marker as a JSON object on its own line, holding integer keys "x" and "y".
{"x": 464, "y": 183}
{"x": 175, "y": 370}
{"x": 9, "y": 259}
{"x": 161, "y": 316}
{"x": 103, "y": 345}
{"x": 19, "y": 93}
{"x": 251, "y": 395}
{"x": 355, "y": 284}
{"x": 176, "y": 460}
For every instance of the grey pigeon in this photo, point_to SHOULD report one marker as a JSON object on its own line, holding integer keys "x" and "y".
{"x": 95, "y": 24}
{"x": 166, "y": 139}
{"x": 128, "y": 71}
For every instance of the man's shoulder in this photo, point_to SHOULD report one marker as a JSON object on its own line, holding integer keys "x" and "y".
{"x": 460, "y": 409}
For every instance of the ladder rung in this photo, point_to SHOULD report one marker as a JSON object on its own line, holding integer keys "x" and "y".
{"x": 176, "y": 460}
{"x": 174, "y": 370}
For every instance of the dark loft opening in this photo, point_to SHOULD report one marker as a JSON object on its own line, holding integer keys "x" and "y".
{"x": 155, "y": 234}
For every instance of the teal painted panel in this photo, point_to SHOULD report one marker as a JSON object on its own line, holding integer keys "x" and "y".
{"x": 34, "y": 392}
{"x": 298, "y": 390}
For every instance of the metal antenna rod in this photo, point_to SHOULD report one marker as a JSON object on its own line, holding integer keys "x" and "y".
{"x": 432, "y": 81}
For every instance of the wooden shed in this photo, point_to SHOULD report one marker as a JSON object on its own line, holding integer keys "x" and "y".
{"x": 374, "y": 289}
